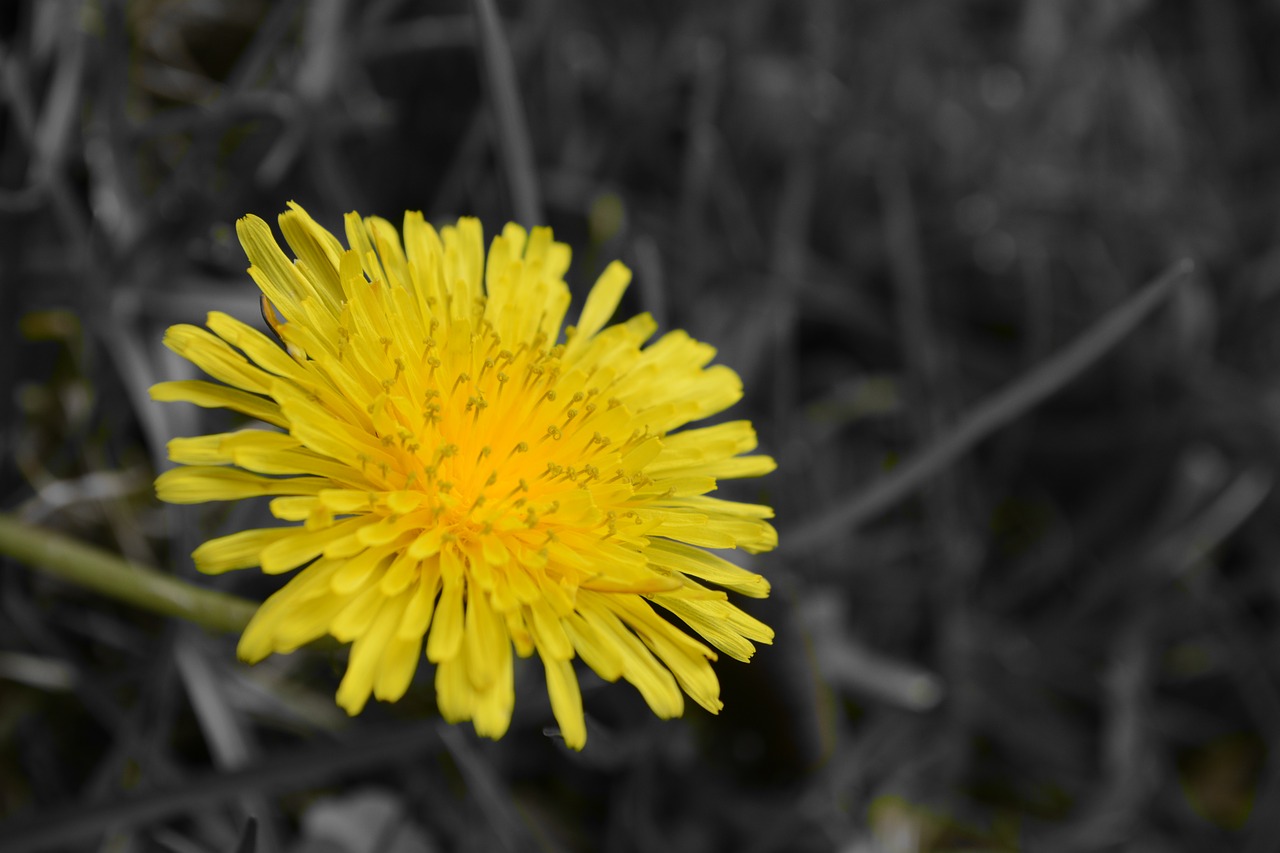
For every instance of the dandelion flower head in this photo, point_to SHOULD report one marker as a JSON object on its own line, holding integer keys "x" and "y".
{"x": 465, "y": 480}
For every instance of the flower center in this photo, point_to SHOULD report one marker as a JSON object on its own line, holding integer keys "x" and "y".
{"x": 503, "y": 441}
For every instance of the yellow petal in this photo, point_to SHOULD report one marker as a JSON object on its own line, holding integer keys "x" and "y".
{"x": 422, "y": 601}
{"x": 297, "y": 508}
{"x": 291, "y": 617}
{"x": 402, "y": 572}
{"x": 212, "y": 355}
{"x": 316, "y": 248}
{"x": 724, "y": 626}
{"x": 305, "y": 545}
{"x": 707, "y": 443}
{"x": 739, "y": 467}
{"x": 399, "y": 662}
{"x": 482, "y": 641}
{"x": 493, "y": 706}
{"x": 390, "y": 529}
{"x": 367, "y": 656}
{"x": 640, "y": 667}
{"x": 454, "y": 693}
{"x": 199, "y": 450}
{"x": 358, "y": 240}
{"x": 698, "y": 563}
{"x": 446, "y": 629}
{"x": 197, "y": 484}
{"x": 209, "y": 395}
{"x": 548, "y": 633}
{"x": 386, "y": 240}
{"x": 361, "y": 569}
{"x": 268, "y": 354}
{"x": 566, "y": 701}
{"x": 685, "y": 658}
{"x": 237, "y": 551}
{"x": 271, "y": 269}
{"x": 348, "y": 500}
{"x": 595, "y": 648}
{"x": 601, "y": 303}
{"x": 355, "y": 619}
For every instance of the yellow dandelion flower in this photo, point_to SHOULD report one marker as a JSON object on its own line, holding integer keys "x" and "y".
{"x": 468, "y": 479}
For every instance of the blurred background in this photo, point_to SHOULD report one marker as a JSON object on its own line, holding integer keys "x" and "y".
{"x": 1051, "y": 629}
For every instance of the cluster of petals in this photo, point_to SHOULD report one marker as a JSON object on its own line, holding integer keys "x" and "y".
{"x": 463, "y": 478}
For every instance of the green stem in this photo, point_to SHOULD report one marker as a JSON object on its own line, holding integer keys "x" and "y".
{"x": 113, "y": 576}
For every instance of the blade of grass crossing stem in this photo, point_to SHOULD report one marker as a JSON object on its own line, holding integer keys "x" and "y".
{"x": 489, "y": 793}
{"x": 514, "y": 143}
{"x": 229, "y": 741}
{"x": 248, "y": 838}
{"x": 991, "y": 414}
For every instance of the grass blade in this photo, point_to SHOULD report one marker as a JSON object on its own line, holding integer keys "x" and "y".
{"x": 991, "y": 414}
{"x": 512, "y": 130}
{"x": 304, "y": 769}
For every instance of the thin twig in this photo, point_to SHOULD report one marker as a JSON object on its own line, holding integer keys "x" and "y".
{"x": 989, "y": 415}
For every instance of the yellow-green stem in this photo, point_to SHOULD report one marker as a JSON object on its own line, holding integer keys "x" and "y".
{"x": 113, "y": 576}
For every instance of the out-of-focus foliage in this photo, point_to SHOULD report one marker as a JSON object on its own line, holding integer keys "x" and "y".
{"x": 882, "y": 212}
